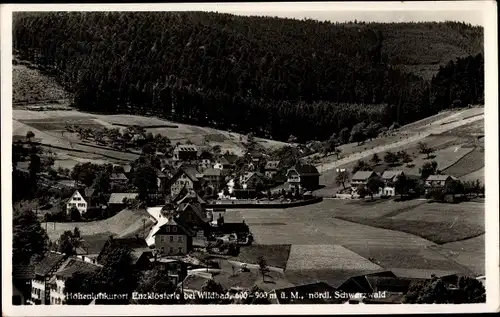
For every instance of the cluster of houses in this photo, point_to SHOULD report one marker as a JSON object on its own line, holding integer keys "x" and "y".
{"x": 389, "y": 178}
{"x": 188, "y": 223}
{"x": 207, "y": 174}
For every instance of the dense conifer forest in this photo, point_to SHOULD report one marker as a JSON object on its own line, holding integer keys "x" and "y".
{"x": 270, "y": 76}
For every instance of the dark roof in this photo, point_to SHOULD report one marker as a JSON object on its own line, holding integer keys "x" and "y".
{"x": 23, "y": 272}
{"x": 171, "y": 222}
{"x": 50, "y": 261}
{"x": 230, "y": 227}
{"x": 191, "y": 196}
{"x": 197, "y": 208}
{"x": 206, "y": 155}
{"x": 75, "y": 265}
{"x": 362, "y": 175}
{"x": 92, "y": 244}
{"x": 389, "y": 284}
{"x": 190, "y": 171}
{"x": 118, "y": 176}
{"x": 117, "y": 198}
{"x": 362, "y": 282}
{"x": 391, "y": 174}
{"x": 303, "y": 169}
{"x": 439, "y": 177}
{"x": 272, "y": 165}
{"x": 304, "y": 291}
{"x": 212, "y": 172}
{"x": 231, "y": 158}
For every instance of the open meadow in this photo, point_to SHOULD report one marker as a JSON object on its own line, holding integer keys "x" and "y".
{"x": 125, "y": 223}
{"x": 357, "y": 227}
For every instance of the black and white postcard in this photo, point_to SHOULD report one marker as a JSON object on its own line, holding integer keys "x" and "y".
{"x": 215, "y": 158}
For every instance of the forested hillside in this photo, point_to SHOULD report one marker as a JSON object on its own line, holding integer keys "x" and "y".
{"x": 270, "y": 76}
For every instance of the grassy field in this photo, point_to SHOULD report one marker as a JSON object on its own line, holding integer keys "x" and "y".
{"x": 29, "y": 87}
{"x": 469, "y": 253}
{"x": 275, "y": 255}
{"x": 48, "y": 125}
{"x": 323, "y": 257}
{"x": 125, "y": 223}
{"x": 398, "y": 245}
{"x": 440, "y": 223}
{"x": 469, "y": 163}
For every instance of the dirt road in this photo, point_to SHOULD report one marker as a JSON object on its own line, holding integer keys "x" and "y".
{"x": 437, "y": 127}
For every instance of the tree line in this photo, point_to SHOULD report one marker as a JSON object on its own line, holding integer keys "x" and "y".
{"x": 247, "y": 74}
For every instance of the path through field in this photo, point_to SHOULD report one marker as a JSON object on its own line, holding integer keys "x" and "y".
{"x": 437, "y": 127}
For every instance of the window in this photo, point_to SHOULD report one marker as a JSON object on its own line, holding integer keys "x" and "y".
{"x": 161, "y": 238}
{"x": 179, "y": 250}
{"x": 171, "y": 251}
{"x": 179, "y": 238}
{"x": 174, "y": 229}
{"x": 168, "y": 228}
{"x": 171, "y": 238}
{"x": 162, "y": 250}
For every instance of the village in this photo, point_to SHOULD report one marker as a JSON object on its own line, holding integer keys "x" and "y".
{"x": 190, "y": 196}
{"x": 171, "y": 157}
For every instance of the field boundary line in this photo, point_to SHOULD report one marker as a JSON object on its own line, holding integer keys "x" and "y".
{"x": 462, "y": 158}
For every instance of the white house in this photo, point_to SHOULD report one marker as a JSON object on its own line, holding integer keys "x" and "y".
{"x": 77, "y": 201}
{"x": 389, "y": 178}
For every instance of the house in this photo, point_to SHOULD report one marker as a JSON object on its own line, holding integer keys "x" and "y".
{"x": 301, "y": 294}
{"x": 186, "y": 177}
{"x": 362, "y": 178}
{"x": 173, "y": 238}
{"x": 205, "y": 159}
{"x": 118, "y": 179}
{"x": 438, "y": 182}
{"x": 226, "y": 162}
{"x": 118, "y": 201}
{"x": 251, "y": 180}
{"x": 213, "y": 177}
{"x": 175, "y": 269}
{"x": 303, "y": 176}
{"x": 380, "y": 282}
{"x": 44, "y": 270}
{"x": 389, "y": 178}
{"x": 22, "y": 277}
{"x": 77, "y": 200}
{"x": 140, "y": 252}
{"x": 58, "y": 281}
{"x": 271, "y": 169}
{"x": 186, "y": 152}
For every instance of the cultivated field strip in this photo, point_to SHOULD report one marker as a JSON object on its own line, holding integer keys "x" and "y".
{"x": 387, "y": 147}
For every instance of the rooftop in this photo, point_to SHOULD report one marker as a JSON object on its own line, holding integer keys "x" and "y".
{"x": 391, "y": 174}
{"x": 362, "y": 175}
{"x": 50, "y": 261}
{"x": 73, "y": 265}
{"x": 440, "y": 177}
{"x": 118, "y": 176}
{"x": 117, "y": 198}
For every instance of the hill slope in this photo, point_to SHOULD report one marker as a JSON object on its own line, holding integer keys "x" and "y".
{"x": 265, "y": 75}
